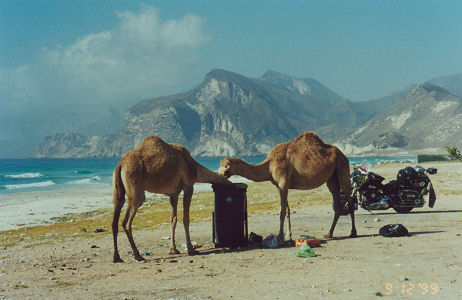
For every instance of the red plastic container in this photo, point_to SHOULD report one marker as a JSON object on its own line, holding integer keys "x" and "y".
{"x": 308, "y": 241}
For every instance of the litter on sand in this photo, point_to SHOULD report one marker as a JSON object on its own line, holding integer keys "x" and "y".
{"x": 272, "y": 241}
{"x": 305, "y": 251}
{"x": 312, "y": 242}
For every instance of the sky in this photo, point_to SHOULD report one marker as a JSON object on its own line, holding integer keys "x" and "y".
{"x": 87, "y": 52}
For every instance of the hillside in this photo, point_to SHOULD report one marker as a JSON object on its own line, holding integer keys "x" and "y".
{"x": 426, "y": 119}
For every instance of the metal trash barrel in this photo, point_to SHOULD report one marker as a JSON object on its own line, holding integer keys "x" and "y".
{"x": 230, "y": 215}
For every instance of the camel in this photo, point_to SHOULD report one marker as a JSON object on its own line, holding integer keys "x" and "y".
{"x": 157, "y": 167}
{"x": 304, "y": 163}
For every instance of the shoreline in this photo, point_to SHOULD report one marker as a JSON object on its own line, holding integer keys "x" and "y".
{"x": 48, "y": 206}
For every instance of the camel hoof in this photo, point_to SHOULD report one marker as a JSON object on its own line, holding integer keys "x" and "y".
{"x": 193, "y": 252}
{"x": 353, "y": 235}
{"x": 290, "y": 242}
{"x": 328, "y": 236}
{"x": 139, "y": 258}
{"x": 117, "y": 260}
{"x": 174, "y": 251}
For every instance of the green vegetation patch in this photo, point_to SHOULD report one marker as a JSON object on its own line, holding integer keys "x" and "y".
{"x": 431, "y": 157}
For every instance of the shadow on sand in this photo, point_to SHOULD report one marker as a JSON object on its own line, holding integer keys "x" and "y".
{"x": 419, "y": 212}
{"x": 250, "y": 247}
{"x": 374, "y": 235}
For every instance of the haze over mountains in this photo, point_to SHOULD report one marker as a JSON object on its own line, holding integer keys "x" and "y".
{"x": 230, "y": 114}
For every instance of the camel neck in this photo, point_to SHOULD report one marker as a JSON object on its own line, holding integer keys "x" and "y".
{"x": 204, "y": 175}
{"x": 257, "y": 173}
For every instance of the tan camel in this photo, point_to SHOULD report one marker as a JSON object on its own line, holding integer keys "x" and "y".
{"x": 157, "y": 167}
{"x": 304, "y": 163}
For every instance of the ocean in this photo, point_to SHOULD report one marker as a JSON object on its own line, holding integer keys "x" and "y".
{"x": 24, "y": 175}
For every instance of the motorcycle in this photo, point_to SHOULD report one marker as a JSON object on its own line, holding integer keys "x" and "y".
{"x": 403, "y": 194}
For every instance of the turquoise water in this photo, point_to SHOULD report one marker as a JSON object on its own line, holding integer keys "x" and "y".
{"x": 21, "y": 175}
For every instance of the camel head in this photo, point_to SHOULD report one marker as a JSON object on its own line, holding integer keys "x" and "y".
{"x": 229, "y": 166}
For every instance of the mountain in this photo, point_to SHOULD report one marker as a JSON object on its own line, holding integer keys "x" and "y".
{"x": 341, "y": 114}
{"x": 451, "y": 83}
{"x": 230, "y": 114}
{"x": 227, "y": 114}
{"x": 303, "y": 86}
{"x": 426, "y": 119}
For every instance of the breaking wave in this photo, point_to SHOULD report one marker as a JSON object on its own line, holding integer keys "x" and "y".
{"x": 29, "y": 185}
{"x": 82, "y": 172}
{"x": 93, "y": 179}
{"x": 24, "y": 175}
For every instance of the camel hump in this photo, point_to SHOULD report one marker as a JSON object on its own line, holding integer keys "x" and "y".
{"x": 153, "y": 141}
{"x": 309, "y": 138}
{"x": 154, "y": 148}
{"x": 310, "y": 143}
{"x": 152, "y": 155}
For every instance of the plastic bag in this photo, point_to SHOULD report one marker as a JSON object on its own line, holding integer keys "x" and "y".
{"x": 305, "y": 251}
{"x": 272, "y": 241}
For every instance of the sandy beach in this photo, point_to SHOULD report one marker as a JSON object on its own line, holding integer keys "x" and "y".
{"x": 69, "y": 260}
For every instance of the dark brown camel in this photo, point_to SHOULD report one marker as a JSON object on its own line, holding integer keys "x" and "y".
{"x": 304, "y": 163}
{"x": 157, "y": 167}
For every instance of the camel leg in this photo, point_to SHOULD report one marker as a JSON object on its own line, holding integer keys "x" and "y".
{"x": 173, "y": 220}
{"x": 129, "y": 216}
{"x": 352, "y": 213}
{"x": 282, "y": 215}
{"x": 187, "y": 195}
{"x": 334, "y": 188}
{"x": 347, "y": 190}
{"x": 343, "y": 175}
{"x": 115, "y": 226}
{"x": 288, "y": 219}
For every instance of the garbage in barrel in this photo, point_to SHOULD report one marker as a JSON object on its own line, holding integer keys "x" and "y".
{"x": 230, "y": 215}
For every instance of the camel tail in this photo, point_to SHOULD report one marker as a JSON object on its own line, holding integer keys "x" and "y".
{"x": 118, "y": 194}
{"x": 343, "y": 174}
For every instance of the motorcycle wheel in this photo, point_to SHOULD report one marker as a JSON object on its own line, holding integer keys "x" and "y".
{"x": 402, "y": 210}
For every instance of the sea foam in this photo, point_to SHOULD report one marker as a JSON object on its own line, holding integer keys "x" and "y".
{"x": 93, "y": 179}
{"x": 29, "y": 185}
{"x": 25, "y": 175}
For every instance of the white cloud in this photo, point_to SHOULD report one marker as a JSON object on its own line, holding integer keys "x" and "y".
{"x": 142, "y": 57}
